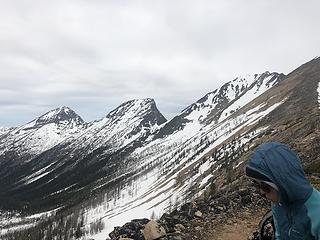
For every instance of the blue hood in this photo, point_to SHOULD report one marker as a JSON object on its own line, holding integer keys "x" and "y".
{"x": 283, "y": 166}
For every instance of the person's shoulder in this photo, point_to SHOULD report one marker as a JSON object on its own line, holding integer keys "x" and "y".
{"x": 313, "y": 202}
{"x": 313, "y": 211}
{"x": 315, "y": 193}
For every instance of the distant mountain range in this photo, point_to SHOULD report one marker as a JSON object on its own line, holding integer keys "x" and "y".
{"x": 134, "y": 163}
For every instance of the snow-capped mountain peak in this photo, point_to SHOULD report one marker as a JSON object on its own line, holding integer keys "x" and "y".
{"x": 221, "y": 103}
{"x": 244, "y": 89}
{"x": 215, "y": 101}
{"x": 240, "y": 85}
{"x": 59, "y": 115}
{"x": 135, "y": 108}
{"x": 44, "y": 132}
{"x": 130, "y": 123}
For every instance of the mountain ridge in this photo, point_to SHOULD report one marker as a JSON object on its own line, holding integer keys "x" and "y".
{"x": 213, "y": 103}
{"x": 128, "y": 124}
{"x": 147, "y": 173}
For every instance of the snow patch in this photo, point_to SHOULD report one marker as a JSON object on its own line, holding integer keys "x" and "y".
{"x": 246, "y": 98}
{"x": 10, "y": 222}
{"x": 204, "y": 182}
{"x": 37, "y": 175}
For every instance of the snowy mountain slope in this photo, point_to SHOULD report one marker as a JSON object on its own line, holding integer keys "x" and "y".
{"x": 97, "y": 152}
{"x": 186, "y": 166}
{"x": 94, "y": 153}
{"x": 42, "y": 133}
{"x": 286, "y": 112}
{"x": 130, "y": 121}
{"x": 170, "y": 157}
{"x": 182, "y": 168}
{"x": 209, "y": 111}
{"x": 221, "y": 102}
{"x": 261, "y": 83}
{"x": 151, "y": 174}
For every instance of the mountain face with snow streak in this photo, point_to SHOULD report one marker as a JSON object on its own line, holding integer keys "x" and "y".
{"x": 211, "y": 150}
{"x": 107, "y": 153}
{"x": 79, "y": 161}
{"x": 42, "y": 133}
{"x": 131, "y": 120}
{"x": 63, "y": 115}
{"x": 221, "y": 103}
{"x": 132, "y": 163}
{"x": 130, "y": 123}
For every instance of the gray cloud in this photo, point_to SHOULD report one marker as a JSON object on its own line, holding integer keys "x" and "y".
{"x": 93, "y": 55}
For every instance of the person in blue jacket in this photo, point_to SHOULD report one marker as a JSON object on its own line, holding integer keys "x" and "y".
{"x": 295, "y": 203}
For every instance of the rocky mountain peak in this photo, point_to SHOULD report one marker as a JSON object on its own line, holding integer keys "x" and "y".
{"x": 144, "y": 108}
{"x": 64, "y": 115}
{"x": 268, "y": 79}
{"x": 220, "y": 98}
{"x": 222, "y": 102}
{"x": 235, "y": 88}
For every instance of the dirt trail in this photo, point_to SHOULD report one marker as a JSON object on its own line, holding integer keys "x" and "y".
{"x": 236, "y": 231}
{"x": 239, "y": 227}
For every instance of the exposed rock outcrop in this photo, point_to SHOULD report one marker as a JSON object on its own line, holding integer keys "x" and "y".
{"x": 191, "y": 219}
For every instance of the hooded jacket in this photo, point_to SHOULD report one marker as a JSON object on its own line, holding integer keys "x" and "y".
{"x": 297, "y": 214}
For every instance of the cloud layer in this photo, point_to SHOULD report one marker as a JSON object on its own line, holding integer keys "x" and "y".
{"x": 94, "y": 55}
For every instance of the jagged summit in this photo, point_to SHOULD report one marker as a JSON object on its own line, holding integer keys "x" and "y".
{"x": 42, "y": 133}
{"x": 131, "y": 122}
{"x": 138, "y": 107}
{"x": 62, "y": 115}
{"x": 221, "y": 103}
{"x": 134, "y": 103}
{"x": 234, "y": 89}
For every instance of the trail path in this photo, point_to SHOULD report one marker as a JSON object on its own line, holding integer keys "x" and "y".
{"x": 236, "y": 228}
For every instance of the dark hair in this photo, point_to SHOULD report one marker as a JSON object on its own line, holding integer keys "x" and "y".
{"x": 262, "y": 185}
{"x": 255, "y": 174}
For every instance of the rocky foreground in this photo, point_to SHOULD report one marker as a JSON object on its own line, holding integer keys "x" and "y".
{"x": 201, "y": 219}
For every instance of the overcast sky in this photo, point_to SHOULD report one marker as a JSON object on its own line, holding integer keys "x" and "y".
{"x": 93, "y": 55}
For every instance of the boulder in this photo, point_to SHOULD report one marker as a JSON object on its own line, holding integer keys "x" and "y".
{"x": 130, "y": 230}
{"x": 179, "y": 228}
{"x": 198, "y": 214}
{"x": 153, "y": 230}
